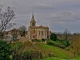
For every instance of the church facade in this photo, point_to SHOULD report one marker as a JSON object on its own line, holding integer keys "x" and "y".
{"x": 37, "y": 32}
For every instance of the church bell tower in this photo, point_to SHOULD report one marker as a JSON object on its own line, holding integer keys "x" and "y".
{"x": 33, "y": 22}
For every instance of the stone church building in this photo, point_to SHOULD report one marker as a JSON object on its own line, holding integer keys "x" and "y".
{"x": 37, "y": 32}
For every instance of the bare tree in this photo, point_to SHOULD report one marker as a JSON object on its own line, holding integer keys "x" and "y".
{"x": 5, "y": 18}
{"x": 66, "y": 37}
{"x": 66, "y": 34}
{"x": 22, "y": 30}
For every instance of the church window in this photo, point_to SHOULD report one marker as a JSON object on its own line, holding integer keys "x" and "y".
{"x": 42, "y": 32}
{"x": 39, "y": 32}
{"x": 33, "y": 24}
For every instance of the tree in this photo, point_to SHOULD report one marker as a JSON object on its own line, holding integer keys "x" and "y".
{"x": 53, "y": 37}
{"x": 14, "y": 35}
{"x": 66, "y": 36}
{"x": 76, "y": 44}
{"x": 4, "y": 50}
{"x": 22, "y": 30}
{"x": 5, "y": 18}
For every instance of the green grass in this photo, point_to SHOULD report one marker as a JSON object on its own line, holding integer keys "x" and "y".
{"x": 45, "y": 49}
{"x": 51, "y": 58}
{"x": 56, "y": 42}
{"x": 58, "y": 52}
{"x": 55, "y": 58}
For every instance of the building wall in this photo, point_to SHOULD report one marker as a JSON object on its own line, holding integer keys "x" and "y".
{"x": 41, "y": 33}
{"x": 37, "y": 33}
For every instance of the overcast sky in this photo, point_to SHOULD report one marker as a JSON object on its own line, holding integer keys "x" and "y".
{"x": 57, "y": 14}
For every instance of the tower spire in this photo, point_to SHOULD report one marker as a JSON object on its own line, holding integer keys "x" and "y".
{"x": 33, "y": 17}
{"x": 33, "y": 22}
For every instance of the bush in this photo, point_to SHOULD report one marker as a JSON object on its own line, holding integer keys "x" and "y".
{"x": 15, "y": 47}
{"x": 53, "y": 37}
{"x": 65, "y": 43}
{"x": 55, "y": 44}
{"x": 50, "y": 43}
{"x": 30, "y": 54}
{"x": 4, "y": 50}
{"x": 35, "y": 40}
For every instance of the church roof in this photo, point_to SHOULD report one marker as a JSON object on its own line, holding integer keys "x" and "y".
{"x": 33, "y": 19}
{"x": 41, "y": 27}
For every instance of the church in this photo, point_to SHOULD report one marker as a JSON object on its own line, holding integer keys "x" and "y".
{"x": 37, "y": 32}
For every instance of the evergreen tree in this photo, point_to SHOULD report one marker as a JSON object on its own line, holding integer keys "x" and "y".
{"x": 53, "y": 37}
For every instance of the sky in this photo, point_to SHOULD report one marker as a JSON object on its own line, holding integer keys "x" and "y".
{"x": 58, "y": 15}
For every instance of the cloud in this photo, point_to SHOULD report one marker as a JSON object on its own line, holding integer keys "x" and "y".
{"x": 57, "y": 14}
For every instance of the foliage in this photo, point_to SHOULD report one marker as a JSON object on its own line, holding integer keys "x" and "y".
{"x": 50, "y": 42}
{"x": 22, "y": 30}
{"x": 14, "y": 36}
{"x": 66, "y": 43}
{"x": 37, "y": 50}
{"x": 52, "y": 58}
{"x": 15, "y": 47}
{"x": 76, "y": 44}
{"x": 30, "y": 54}
{"x": 53, "y": 37}
{"x": 36, "y": 40}
{"x": 5, "y": 18}
{"x": 4, "y": 50}
{"x": 66, "y": 34}
{"x": 56, "y": 43}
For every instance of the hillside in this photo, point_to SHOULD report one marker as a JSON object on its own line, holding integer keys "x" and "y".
{"x": 45, "y": 49}
{"x": 56, "y": 51}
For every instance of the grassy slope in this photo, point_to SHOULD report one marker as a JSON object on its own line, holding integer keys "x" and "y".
{"x": 47, "y": 49}
{"x": 58, "y": 52}
{"x": 54, "y": 58}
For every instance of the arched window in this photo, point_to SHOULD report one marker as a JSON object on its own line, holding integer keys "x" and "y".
{"x": 33, "y": 24}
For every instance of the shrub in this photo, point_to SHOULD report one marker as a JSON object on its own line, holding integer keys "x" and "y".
{"x": 50, "y": 43}
{"x": 36, "y": 40}
{"x": 30, "y": 54}
{"x": 55, "y": 44}
{"x": 15, "y": 47}
{"x": 4, "y": 50}
{"x": 53, "y": 37}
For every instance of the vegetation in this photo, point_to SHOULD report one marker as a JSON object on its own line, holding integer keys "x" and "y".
{"x": 53, "y": 37}
{"x": 5, "y": 18}
{"x": 67, "y": 47}
{"x": 39, "y": 50}
{"x": 4, "y": 50}
{"x": 15, "y": 50}
{"x": 52, "y": 58}
{"x": 76, "y": 45}
{"x": 22, "y": 30}
{"x": 36, "y": 50}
